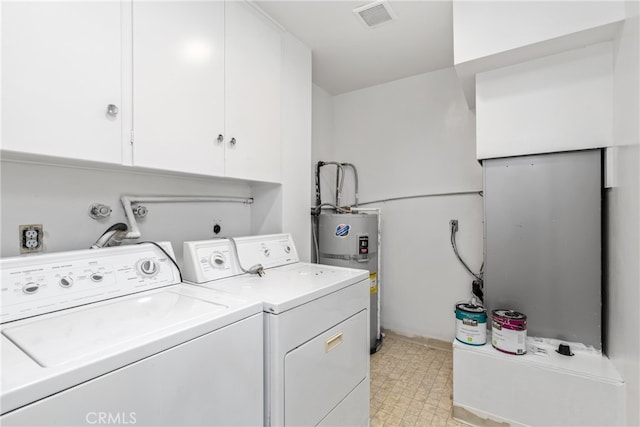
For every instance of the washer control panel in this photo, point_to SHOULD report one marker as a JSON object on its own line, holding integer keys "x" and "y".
{"x": 209, "y": 260}
{"x": 39, "y": 284}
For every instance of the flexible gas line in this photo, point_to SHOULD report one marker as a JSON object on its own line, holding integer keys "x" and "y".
{"x": 455, "y": 251}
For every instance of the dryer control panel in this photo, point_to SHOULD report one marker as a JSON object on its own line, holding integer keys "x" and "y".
{"x": 33, "y": 285}
{"x": 209, "y": 260}
{"x": 271, "y": 250}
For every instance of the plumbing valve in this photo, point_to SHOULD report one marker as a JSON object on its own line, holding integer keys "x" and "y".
{"x": 99, "y": 211}
{"x": 140, "y": 211}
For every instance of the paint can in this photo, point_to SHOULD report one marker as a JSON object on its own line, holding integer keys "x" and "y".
{"x": 509, "y": 331}
{"x": 471, "y": 324}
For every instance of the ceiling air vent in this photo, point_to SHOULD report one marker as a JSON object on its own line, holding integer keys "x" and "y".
{"x": 375, "y": 14}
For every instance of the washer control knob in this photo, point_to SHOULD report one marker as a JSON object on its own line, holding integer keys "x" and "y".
{"x": 65, "y": 282}
{"x": 267, "y": 252}
{"x": 217, "y": 260}
{"x": 97, "y": 277}
{"x": 148, "y": 267}
{"x": 31, "y": 288}
{"x": 287, "y": 249}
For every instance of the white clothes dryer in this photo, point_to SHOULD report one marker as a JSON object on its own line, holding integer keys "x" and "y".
{"x": 111, "y": 336}
{"x": 316, "y": 326}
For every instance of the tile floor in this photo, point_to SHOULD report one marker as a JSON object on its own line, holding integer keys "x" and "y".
{"x": 411, "y": 385}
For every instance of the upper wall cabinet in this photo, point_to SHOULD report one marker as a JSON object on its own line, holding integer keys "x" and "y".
{"x": 252, "y": 80}
{"x": 206, "y": 89}
{"x": 178, "y": 86}
{"x": 62, "y": 79}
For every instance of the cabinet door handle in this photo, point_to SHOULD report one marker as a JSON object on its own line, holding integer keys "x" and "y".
{"x": 233, "y": 141}
{"x": 113, "y": 110}
{"x": 220, "y": 138}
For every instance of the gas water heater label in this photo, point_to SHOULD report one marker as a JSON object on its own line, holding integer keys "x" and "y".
{"x": 373, "y": 288}
{"x": 342, "y": 230}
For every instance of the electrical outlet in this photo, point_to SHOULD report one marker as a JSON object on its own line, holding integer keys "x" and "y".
{"x": 453, "y": 225}
{"x": 30, "y": 237}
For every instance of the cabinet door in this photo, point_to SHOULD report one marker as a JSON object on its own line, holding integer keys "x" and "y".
{"x": 178, "y": 85}
{"x": 61, "y": 68}
{"x": 253, "y": 62}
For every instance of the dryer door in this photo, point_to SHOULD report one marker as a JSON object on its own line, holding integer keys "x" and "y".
{"x": 323, "y": 371}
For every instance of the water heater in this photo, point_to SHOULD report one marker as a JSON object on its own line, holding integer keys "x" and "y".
{"x": 351, "y": 240}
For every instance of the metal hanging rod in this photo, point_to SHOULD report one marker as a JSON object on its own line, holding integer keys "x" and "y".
{"x": 420, "y": 196}
{"x": 127, "y": 201}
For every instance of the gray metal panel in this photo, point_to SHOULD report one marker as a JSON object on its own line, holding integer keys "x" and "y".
{"x": 543, "y": 242}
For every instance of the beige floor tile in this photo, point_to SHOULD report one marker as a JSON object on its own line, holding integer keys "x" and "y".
{"x": 424, "y": 421}
{"x": 397, "y": 412}
{"x": 443, "y": 413}
{"x": 381, "y": 416}
{"x": 394, "y": 398}
{"x": 438, "y": 421}
{"x": 413, "y": 410}
{"x": 393, "y": 422}
{"x": 410, "y": 420}
{"x": 428, "y": 412}
{"x": 411, "y": 385}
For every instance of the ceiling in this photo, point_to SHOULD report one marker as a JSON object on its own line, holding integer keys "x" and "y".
{"x": 348, "y": 56}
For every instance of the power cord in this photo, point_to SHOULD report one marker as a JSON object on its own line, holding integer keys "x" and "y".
{"x": 256, "y": 269}
{"x": 167, "y": 254}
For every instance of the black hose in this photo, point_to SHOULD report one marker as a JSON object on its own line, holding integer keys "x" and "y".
{"x": 114, "y": 229}
{"x": 120, "y": 226}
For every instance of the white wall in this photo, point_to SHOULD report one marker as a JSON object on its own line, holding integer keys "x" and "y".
{"x": 296, "y": 142}
{"x": 58, "y": 197}
{"x": 321, "y": 149}
{"x": 557, "y": 103}
{"x": 411, "y": 137}
{"x": 484, "y": 28}
{"x": 322, "y": 125}
{"x": 322, "y": 145}
{"x": 623, "y": 240}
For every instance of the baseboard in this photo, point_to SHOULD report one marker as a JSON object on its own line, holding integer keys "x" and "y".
{"x": 429, "y": 342}
{"x": 479, "y": 419}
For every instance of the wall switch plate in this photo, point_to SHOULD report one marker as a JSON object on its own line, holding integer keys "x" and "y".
{"x": 30, "y": 237}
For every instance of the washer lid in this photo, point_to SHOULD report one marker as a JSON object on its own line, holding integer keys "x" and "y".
{"x": 95, "y": 330}
{"x": 283, "y": 288}
{"x": 46, "y": 354}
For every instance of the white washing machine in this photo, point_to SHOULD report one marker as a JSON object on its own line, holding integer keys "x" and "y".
{"x": 111, "y": 337}
{"x": 316, "y": 327}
